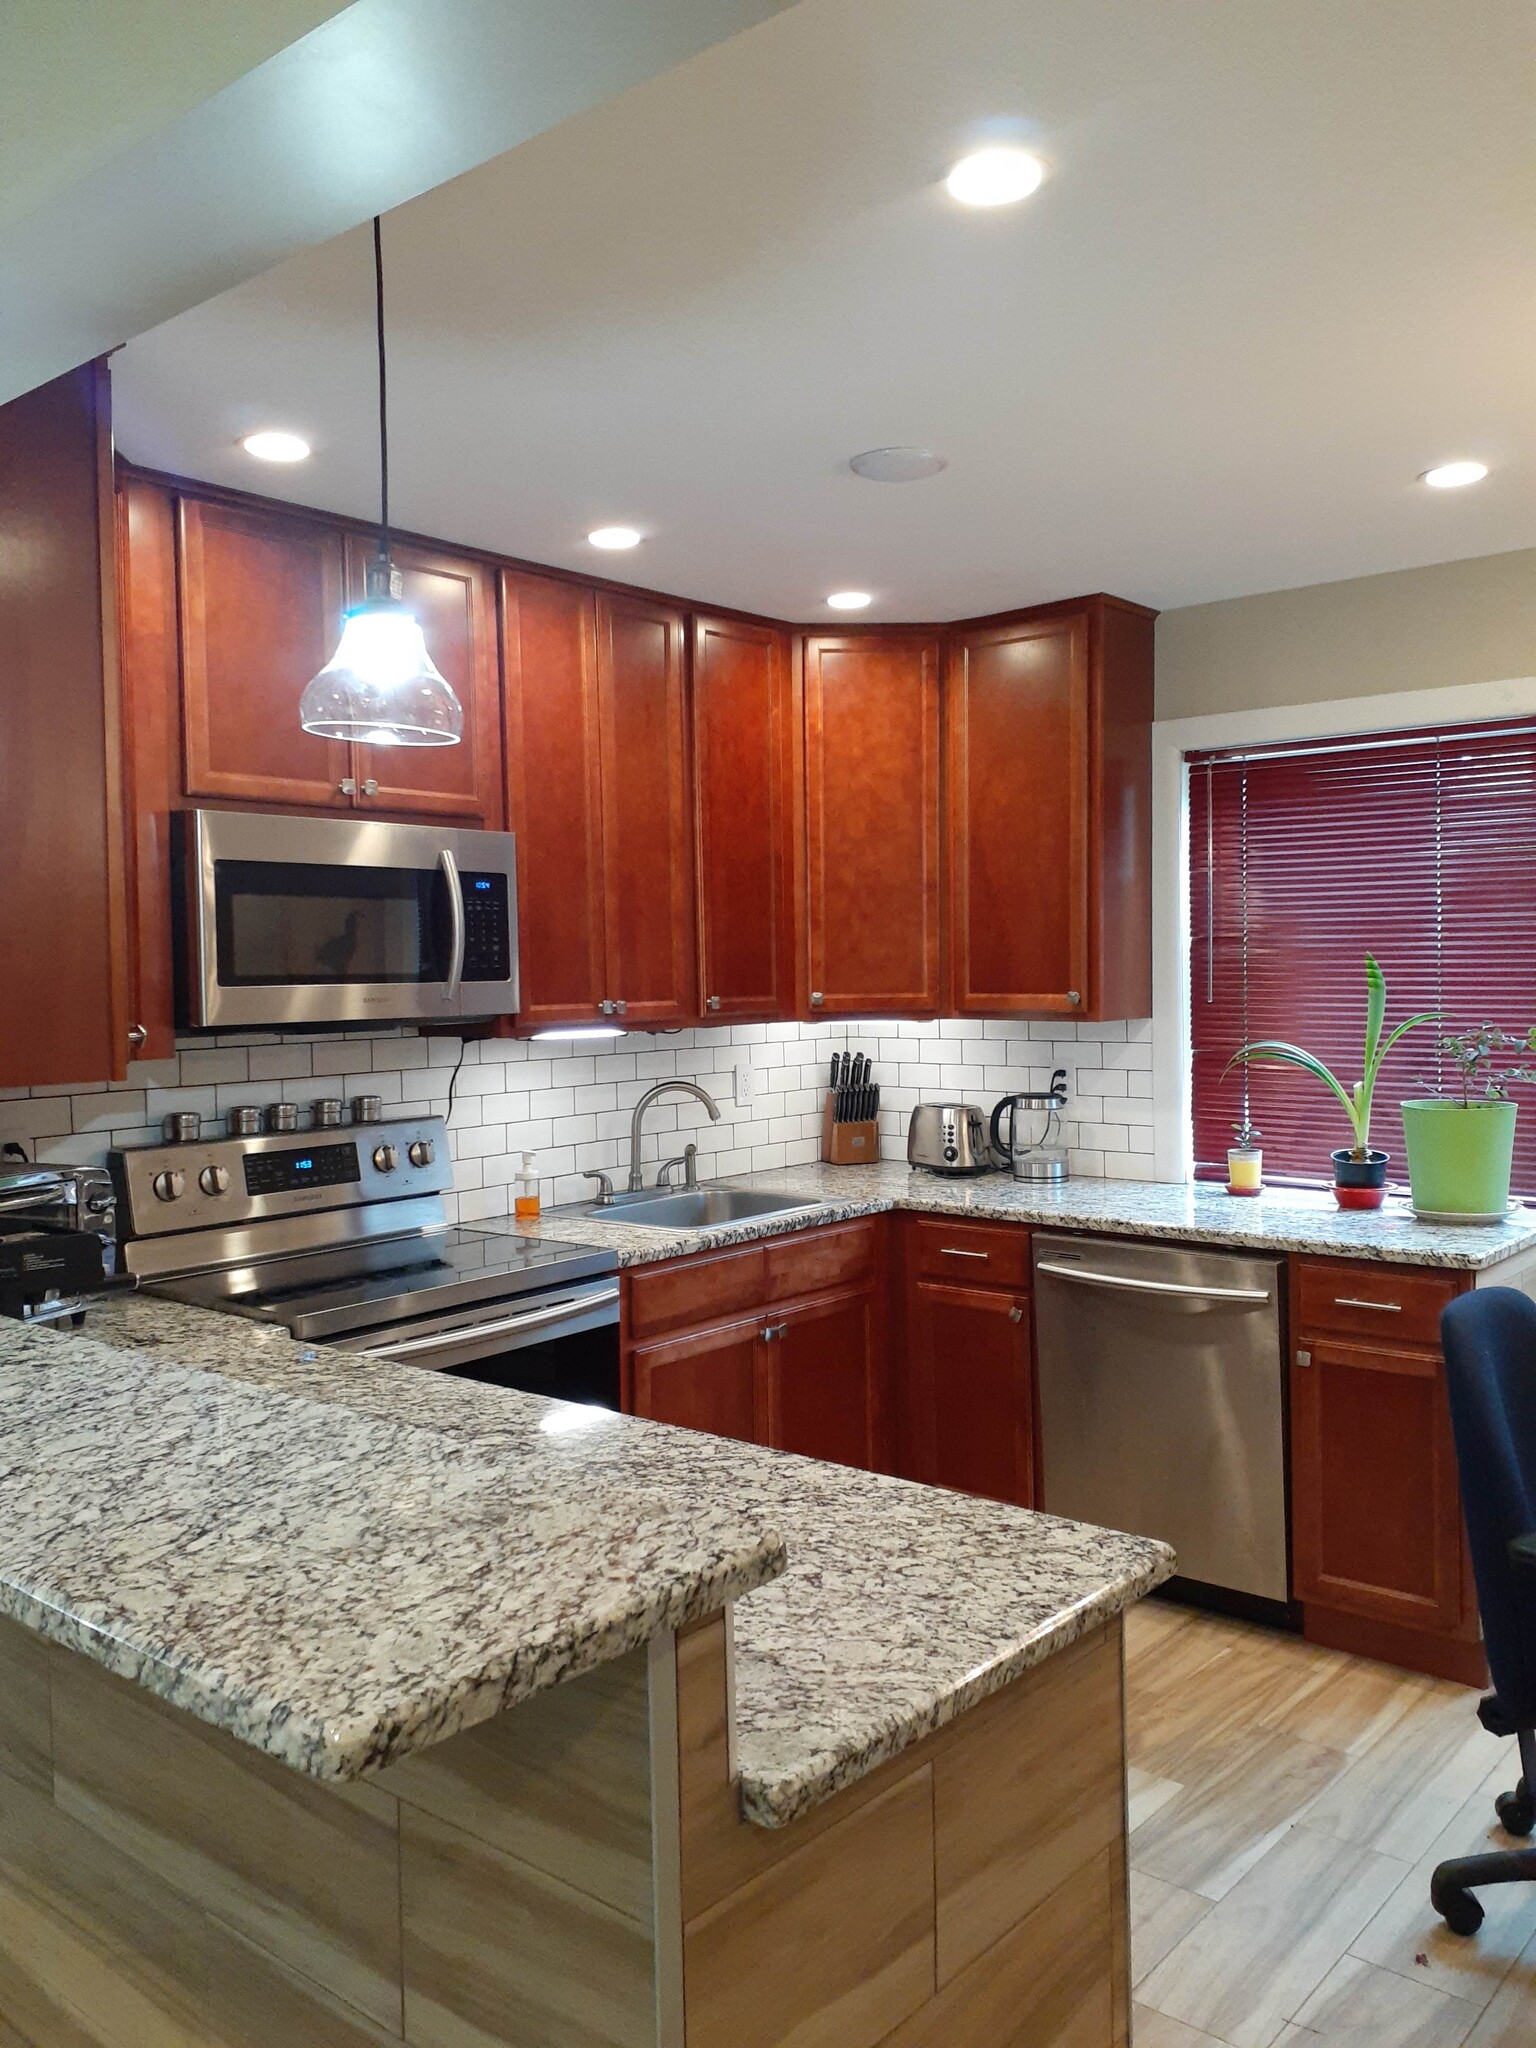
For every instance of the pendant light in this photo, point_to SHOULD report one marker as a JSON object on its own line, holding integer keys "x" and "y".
{"x": 380, "y": 686}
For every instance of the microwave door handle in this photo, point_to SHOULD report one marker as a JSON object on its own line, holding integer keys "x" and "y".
{"x": 450, "y": 873}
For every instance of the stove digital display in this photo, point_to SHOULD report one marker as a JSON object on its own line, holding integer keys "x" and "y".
{"x": 314, "y": 1166}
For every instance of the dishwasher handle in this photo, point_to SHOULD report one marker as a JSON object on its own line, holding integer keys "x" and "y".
{"x": 1178, "y": 1289}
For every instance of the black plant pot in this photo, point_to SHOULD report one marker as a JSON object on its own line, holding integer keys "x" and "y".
{"x": 1360, "y": 1183}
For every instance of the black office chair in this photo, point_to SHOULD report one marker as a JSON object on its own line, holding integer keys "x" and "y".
{"x": 1490, "y": 1365}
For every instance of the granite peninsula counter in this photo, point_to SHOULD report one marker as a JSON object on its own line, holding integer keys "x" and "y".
{"x": 639, "y": 1714}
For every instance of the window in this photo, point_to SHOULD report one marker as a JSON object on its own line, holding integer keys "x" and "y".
{"x": 1419, "y": 848}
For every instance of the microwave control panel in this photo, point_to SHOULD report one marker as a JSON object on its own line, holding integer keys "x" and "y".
{"x": 487, "y": 928}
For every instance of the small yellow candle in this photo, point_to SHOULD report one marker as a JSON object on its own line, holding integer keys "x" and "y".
{"x": 1245, "y": 1172}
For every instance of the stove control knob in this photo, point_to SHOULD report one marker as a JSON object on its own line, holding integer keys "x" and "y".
{"x": 423, "y": 1152}
{"x": 170, "y": 1186}
{"x": 385, "y": 1158}
{"x": 214, "y": 1180}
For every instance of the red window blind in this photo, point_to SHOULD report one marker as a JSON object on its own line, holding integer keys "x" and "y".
{"x": 1418, "y": 848}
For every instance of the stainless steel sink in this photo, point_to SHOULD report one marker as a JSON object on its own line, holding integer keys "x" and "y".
{"x": 694, "y": 1208}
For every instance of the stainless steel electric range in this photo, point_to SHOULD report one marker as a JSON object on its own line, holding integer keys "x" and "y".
{"x": 339, "y": 1233}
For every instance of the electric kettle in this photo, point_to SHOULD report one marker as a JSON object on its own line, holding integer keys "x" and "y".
{"x": 1032, "y": 1159}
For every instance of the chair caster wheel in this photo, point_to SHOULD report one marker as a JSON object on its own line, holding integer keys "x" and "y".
{"x": 1516, "y": 1810}
{"x": 1458, "y": 1909}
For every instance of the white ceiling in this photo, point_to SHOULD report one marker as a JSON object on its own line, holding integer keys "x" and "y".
{"x": 1283, "y": 262}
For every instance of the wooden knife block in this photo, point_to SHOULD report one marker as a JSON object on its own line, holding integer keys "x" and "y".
{"x": 847, "y": 1144}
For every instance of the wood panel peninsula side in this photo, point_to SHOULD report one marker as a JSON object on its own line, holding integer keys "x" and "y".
{"x": 342, "y": 1704}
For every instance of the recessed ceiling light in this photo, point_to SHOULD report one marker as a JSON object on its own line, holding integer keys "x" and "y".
{"x": 614, "y": 537}
{"x": 995, "y": 177}
{"x": 1450, "y": 476}
{"x": 897, "y": 465}
{"x": 272, "y": 445}
{"x": 849, "y": 600}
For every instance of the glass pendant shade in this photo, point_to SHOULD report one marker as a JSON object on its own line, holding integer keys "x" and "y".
{"x": 380, "y": 686}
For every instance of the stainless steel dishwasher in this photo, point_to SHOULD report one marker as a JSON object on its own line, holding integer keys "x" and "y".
{"x": 1160, "y": 1401}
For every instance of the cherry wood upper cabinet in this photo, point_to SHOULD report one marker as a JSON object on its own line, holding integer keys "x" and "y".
{"x": 63, "y": 1014}
{"x": 744, "y": 729}
{"x": 872, "y": 824}
{"x": 647, "y": 815}
{"x": 1048, "y": 813}
{"x": 261, "y": 598}
{"x": 549, "y": 641}
{"x": 455, "y": 600}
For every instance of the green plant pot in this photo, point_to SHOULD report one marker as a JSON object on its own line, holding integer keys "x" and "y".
{"x": 1459, "y": 1155}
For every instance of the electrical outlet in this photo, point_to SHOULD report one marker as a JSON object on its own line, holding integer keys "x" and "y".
{"x": 745, "y": 1082}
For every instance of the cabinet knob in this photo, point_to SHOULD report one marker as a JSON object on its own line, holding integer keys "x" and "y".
{"x": 1303, "y": 1358}
{"x": 817, "y": 999}
{"x": 620, "y": 1008}
{"x": 1073, "y": 997}
{"x": 605, "y": 1008}
{"x": 1015, "y": 1314}
{"x": 347, "y": 786}
{"x": 137, "y": 1033}
{"x": 772, "y": 1332}
{"x": 712, "y": 1003}
{"x": 371, "y": 786}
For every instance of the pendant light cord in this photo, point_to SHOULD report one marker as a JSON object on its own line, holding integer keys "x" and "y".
{"x": 378, "y": 300}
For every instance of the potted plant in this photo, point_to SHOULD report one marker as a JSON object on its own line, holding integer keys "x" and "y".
{"x": 1460, "y": 1151}
{"x": 1359, "y": 1174}
{"x": 1245, "y": 1161}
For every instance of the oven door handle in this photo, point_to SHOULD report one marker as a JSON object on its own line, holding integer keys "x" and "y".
{"x": 450, "y": 873}
{"x": 502, "y": 1326}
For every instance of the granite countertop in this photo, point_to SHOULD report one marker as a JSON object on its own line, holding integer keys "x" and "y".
{"x": 341, "y": 1561}
{"x": 1281, "y": 1219}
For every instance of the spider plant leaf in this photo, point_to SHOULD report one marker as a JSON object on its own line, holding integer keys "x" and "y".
{"x": 1375, "y": 1010}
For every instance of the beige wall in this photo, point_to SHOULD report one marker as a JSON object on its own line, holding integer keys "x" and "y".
{"x": 1417, "y": 629}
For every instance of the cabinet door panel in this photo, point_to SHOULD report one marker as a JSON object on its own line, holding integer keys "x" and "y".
{"x": 872, "y": 824}
{"x": 1376, "y": 1509}
{"x": 743, "y": 734}
{"x": 455, "y": 602}
{"x": 970, "y": 1391}
{"x": 1017, "y": 770}
{"x": 647, "y": 832}
{"x": 549, "y": 632}
{"x": 708, "y": 1381}
{"x": 822, "y": 1367}
{"x": 260, "y": 613}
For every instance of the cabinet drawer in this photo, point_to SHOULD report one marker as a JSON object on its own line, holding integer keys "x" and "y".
{"x": 1391, "y": 1304}
{"x": 973, "y": 1254}
{"x": 681, "y": 1293}
{"x": 839, "y": 1255}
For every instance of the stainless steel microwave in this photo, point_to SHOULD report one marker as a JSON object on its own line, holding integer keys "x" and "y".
{"x": 296, "y": 921}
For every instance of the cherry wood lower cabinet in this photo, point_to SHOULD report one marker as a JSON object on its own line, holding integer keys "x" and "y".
{"x": 967, "y": 1387}
{"x": 1379, "y": 1555}
{"x": 783, "y": 1343}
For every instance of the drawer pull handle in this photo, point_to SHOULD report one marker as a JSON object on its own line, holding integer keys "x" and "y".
{"x": 953, "y": 1251}
{"x": 1386, "y": 1308}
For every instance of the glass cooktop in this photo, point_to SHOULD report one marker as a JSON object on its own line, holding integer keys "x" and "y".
{"x": 387, "y": 1280}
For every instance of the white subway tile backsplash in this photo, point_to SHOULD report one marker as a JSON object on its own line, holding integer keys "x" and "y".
{"x": 572, "y": 1104}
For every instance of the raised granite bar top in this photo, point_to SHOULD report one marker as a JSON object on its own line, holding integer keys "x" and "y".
{"x": 341, "y": 1561}
{"x": 1201, "y": 1212}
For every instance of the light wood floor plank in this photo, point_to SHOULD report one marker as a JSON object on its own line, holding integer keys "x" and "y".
{"x": 1255, "y": 1958}
{"x": 1151, "y": 2029}
{"x": 1359, "y": 2006}
{"x": 1214, "y": 1832}
{"x": 1510, "y": 2019}
{"x": 1410, "y": 1785}
{"x": 1145, "y": 1794}
{"x": 1408, "y": 1927}
{"x": 1161, "y": 1916}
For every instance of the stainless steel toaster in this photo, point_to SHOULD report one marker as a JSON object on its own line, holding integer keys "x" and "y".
{"x": 950, "y": 1137}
